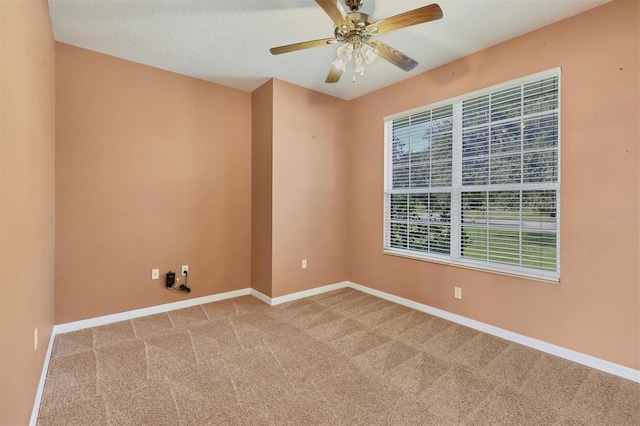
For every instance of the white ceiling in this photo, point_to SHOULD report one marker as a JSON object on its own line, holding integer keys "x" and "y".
{"x": 228, "y": 41}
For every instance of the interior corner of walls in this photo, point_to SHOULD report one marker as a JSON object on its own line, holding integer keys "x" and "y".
{"x": 43, "y": 376}
{"x": 261, "y": 296}
{"x": 264, "y": 86}
{"x": 314, "y": 291}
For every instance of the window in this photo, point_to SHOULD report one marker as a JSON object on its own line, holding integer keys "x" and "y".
{"x": 474, "y": 180}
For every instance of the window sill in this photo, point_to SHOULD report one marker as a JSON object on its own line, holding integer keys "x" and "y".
{"x": 490, "y": 269}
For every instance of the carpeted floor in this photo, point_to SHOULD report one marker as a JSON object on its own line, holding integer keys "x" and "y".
{"x": 340, "y": 358}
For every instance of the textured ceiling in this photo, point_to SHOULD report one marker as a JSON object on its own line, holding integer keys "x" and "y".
{"x": 228, "y": 42}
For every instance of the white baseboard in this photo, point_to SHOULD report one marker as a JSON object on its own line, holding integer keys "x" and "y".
{"x": 308, "y": 293}
{"x": 43, "y": 376}
{"x": 298, "y": 295}
{"x": 568, "y": 354}
{"x": 123, "y": 316}
{"x": 260, "y": 296}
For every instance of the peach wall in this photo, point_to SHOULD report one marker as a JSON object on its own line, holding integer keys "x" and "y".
{"x": 153, "y": 170}
{"x": 27, "y": 221}
{"x": 595, "y": 309}
{"x": 310, "y": 184}
{"x": 261, "y": 184}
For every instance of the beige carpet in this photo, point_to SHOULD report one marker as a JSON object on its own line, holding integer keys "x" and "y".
{"x": 341, "y": 358}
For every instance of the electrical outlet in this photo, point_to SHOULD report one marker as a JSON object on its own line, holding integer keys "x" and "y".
{"x": 185, "y": 269}
{"x": 457, "y": 292}
{"x": 304, "y": 263}
{"x": 35, "y": 339}
{"x": 155, "y": 274}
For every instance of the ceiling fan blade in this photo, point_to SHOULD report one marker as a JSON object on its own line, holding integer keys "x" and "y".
{"x": 397, "y": 58}
{"x": 407, "y": 19}
{"x": 334, "y": 75}
{"x": 336, "y": 12}
{"x": 303, "y": 45}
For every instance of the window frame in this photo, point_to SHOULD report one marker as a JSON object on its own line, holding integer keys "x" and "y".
{"x": 457, "y": 188}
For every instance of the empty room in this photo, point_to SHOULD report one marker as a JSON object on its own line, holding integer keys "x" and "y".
{"x": 319, "y": 212}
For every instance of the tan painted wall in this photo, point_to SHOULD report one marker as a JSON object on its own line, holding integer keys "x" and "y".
{"x": 310, "y": 184}
{"x": 27, "y": 221}
{"x": 595, "y": 309}
{"x": 261, "y": 187}
{"x": 153, "y": 169}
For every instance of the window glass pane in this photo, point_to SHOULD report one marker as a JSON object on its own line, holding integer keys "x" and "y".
{"x": 441, "y": 174}
{"x": 420, "y": 152}
{"x": 473, "y": 242}
{"x": 441, "y": 147}
{"x": 440, "y": 239}
{"x": 474, "y": 205}
{"x": 540, "y": 166}
{"x": 419, "y": 138}
{"x": 541, "y": 96}
{"x": 418, "y": 141}
{"x": 473, "y": 237}
{"x": 398, "y": 235}
{"x": 440, "y": 207}
{"x": 539, "y": 249}
{"x": 504, "y": 208}
{"x": 419, "y": 207}
{"x": 475, "y": 111}
{"x": 541, "y": 132}
{"x": 442, "y": 120}
{"x": 506, "y": 104}
{"x": 401, "y": 122}
{"x": 505, "y": 169}
{"x": 475, "y": 171}
{"x": 420, "y": 118}
{"x": 539, "y": 229}
{"x": 399, "y": 207}
{"x": 420, "y": 175}
{"x": 400, "y": 151}
{"x": 400, "y": 177}
{"x": 506, "y": 137}
{"x": 475, "y": 142}
{"x": 504, "y": 245}
{"x": 503, "y": 220}
{"x": 418, "y": 237}
{"x": 539, "y": 209}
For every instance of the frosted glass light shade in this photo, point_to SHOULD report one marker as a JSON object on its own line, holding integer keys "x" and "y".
{"x": 370, "y": 54}
{"x": 344, "y": 56}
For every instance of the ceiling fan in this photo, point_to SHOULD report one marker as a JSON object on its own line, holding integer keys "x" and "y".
{"x": 355, "y": 30}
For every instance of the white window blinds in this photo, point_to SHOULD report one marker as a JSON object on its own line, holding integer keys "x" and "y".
{"x": 475, "y": 180}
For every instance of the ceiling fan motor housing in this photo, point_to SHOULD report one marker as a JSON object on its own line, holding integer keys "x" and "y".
{"x": 358, "y": 34}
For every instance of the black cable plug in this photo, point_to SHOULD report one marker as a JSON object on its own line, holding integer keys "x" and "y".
{"x": 184, "y": 287}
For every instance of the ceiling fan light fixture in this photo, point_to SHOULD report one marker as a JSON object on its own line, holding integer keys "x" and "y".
{"x": 344, "y": 56}
{"x": 369, "y": 53}
{"x": 363, "y": 55}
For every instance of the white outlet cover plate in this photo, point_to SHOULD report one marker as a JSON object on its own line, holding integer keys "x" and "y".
{"x": 155, "y": 274}
{"x": 457, "y": 292}
{"x": 185, "y": 268}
